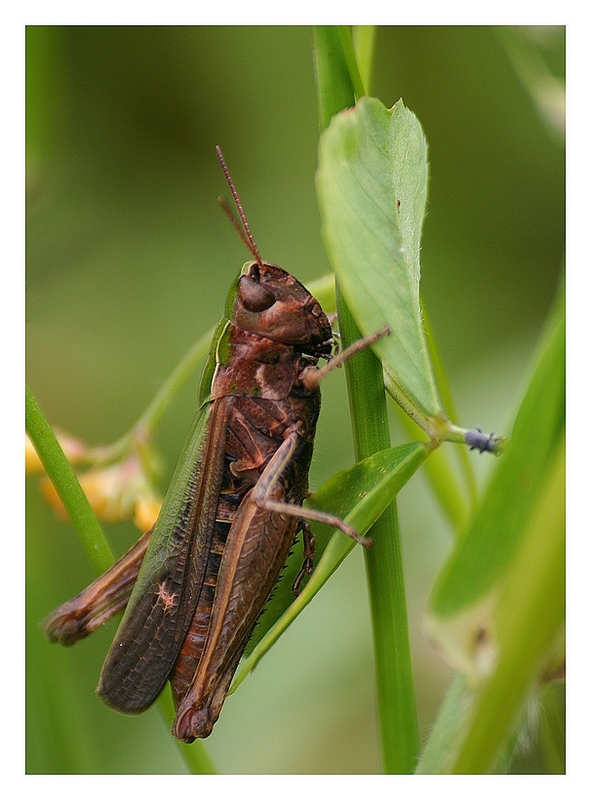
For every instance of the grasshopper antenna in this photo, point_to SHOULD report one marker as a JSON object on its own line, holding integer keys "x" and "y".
{"x": 244, "y": 231}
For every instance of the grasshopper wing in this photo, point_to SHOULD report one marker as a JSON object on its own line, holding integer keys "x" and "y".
{"x": 167, "y": 590}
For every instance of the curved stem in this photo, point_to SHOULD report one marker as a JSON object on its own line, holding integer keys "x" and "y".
{"x": 66, "y": 484}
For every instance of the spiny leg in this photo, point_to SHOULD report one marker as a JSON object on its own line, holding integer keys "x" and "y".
{"x": 273, "y": 472}
{"x": 309, "y": 555}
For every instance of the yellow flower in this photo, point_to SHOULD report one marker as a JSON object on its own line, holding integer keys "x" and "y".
{"x": 118, "y": 492}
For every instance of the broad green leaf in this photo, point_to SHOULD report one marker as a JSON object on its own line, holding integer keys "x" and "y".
{"x": 358, "y": 495}
{"x": 372, "y": 190}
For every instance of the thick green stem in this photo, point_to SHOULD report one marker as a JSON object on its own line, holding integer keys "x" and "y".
{"x": 333, "y": 81}
{"x": 394, "y": 679}
{"x": 396, "y": 699}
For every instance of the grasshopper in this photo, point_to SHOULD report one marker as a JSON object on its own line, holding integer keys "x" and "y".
{"x": 194, "y": 586}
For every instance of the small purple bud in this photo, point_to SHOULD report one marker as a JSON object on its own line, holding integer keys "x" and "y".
{"x": 478, "y": 440}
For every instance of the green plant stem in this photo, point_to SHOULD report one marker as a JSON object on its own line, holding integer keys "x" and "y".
{"x": 66, "y": 484}
{"x": 447, "y": 400}
{"x": 396, "y": 699}
{"x": 394, "y": 679}
{"x": 350, "y": 58}
{"x": 333, "y": 81}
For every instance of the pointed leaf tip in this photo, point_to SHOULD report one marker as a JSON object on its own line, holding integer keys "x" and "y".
{"x": 372, "y": 189}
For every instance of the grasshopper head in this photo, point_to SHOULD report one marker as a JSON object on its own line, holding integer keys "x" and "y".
{"x": 272, "y": 303}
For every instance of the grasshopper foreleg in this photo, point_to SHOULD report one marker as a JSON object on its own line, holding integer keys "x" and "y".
{"x": 312, "y": 376}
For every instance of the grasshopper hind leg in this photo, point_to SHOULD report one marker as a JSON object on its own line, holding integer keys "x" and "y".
{"x": 261, "y": 493}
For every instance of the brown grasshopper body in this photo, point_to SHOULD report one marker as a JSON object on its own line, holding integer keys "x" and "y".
{"x": 205, "y": 573}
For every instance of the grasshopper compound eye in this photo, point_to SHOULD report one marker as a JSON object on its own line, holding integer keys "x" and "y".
{"x": 253, "y": 295}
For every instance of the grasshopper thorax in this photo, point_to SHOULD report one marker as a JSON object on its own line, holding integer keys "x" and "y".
{"x": 272, "y": 303}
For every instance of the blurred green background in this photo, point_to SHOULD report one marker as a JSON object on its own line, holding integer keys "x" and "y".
{"x": 128, "y": 263}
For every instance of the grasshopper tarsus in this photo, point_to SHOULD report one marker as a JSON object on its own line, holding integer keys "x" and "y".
{"x": 306, "y": 570}
{"x": 309, "y": 555}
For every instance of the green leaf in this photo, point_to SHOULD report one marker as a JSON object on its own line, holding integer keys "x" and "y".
{"x": 364, "y": 37}
{"x": 527, "y": 622}
{"x": 497, "y": 610}
{"x": 358, "y": 495}
{"x": 494, "y": 533}
{"x": 437, "y": 753}
{"x": 372, "y": 190}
